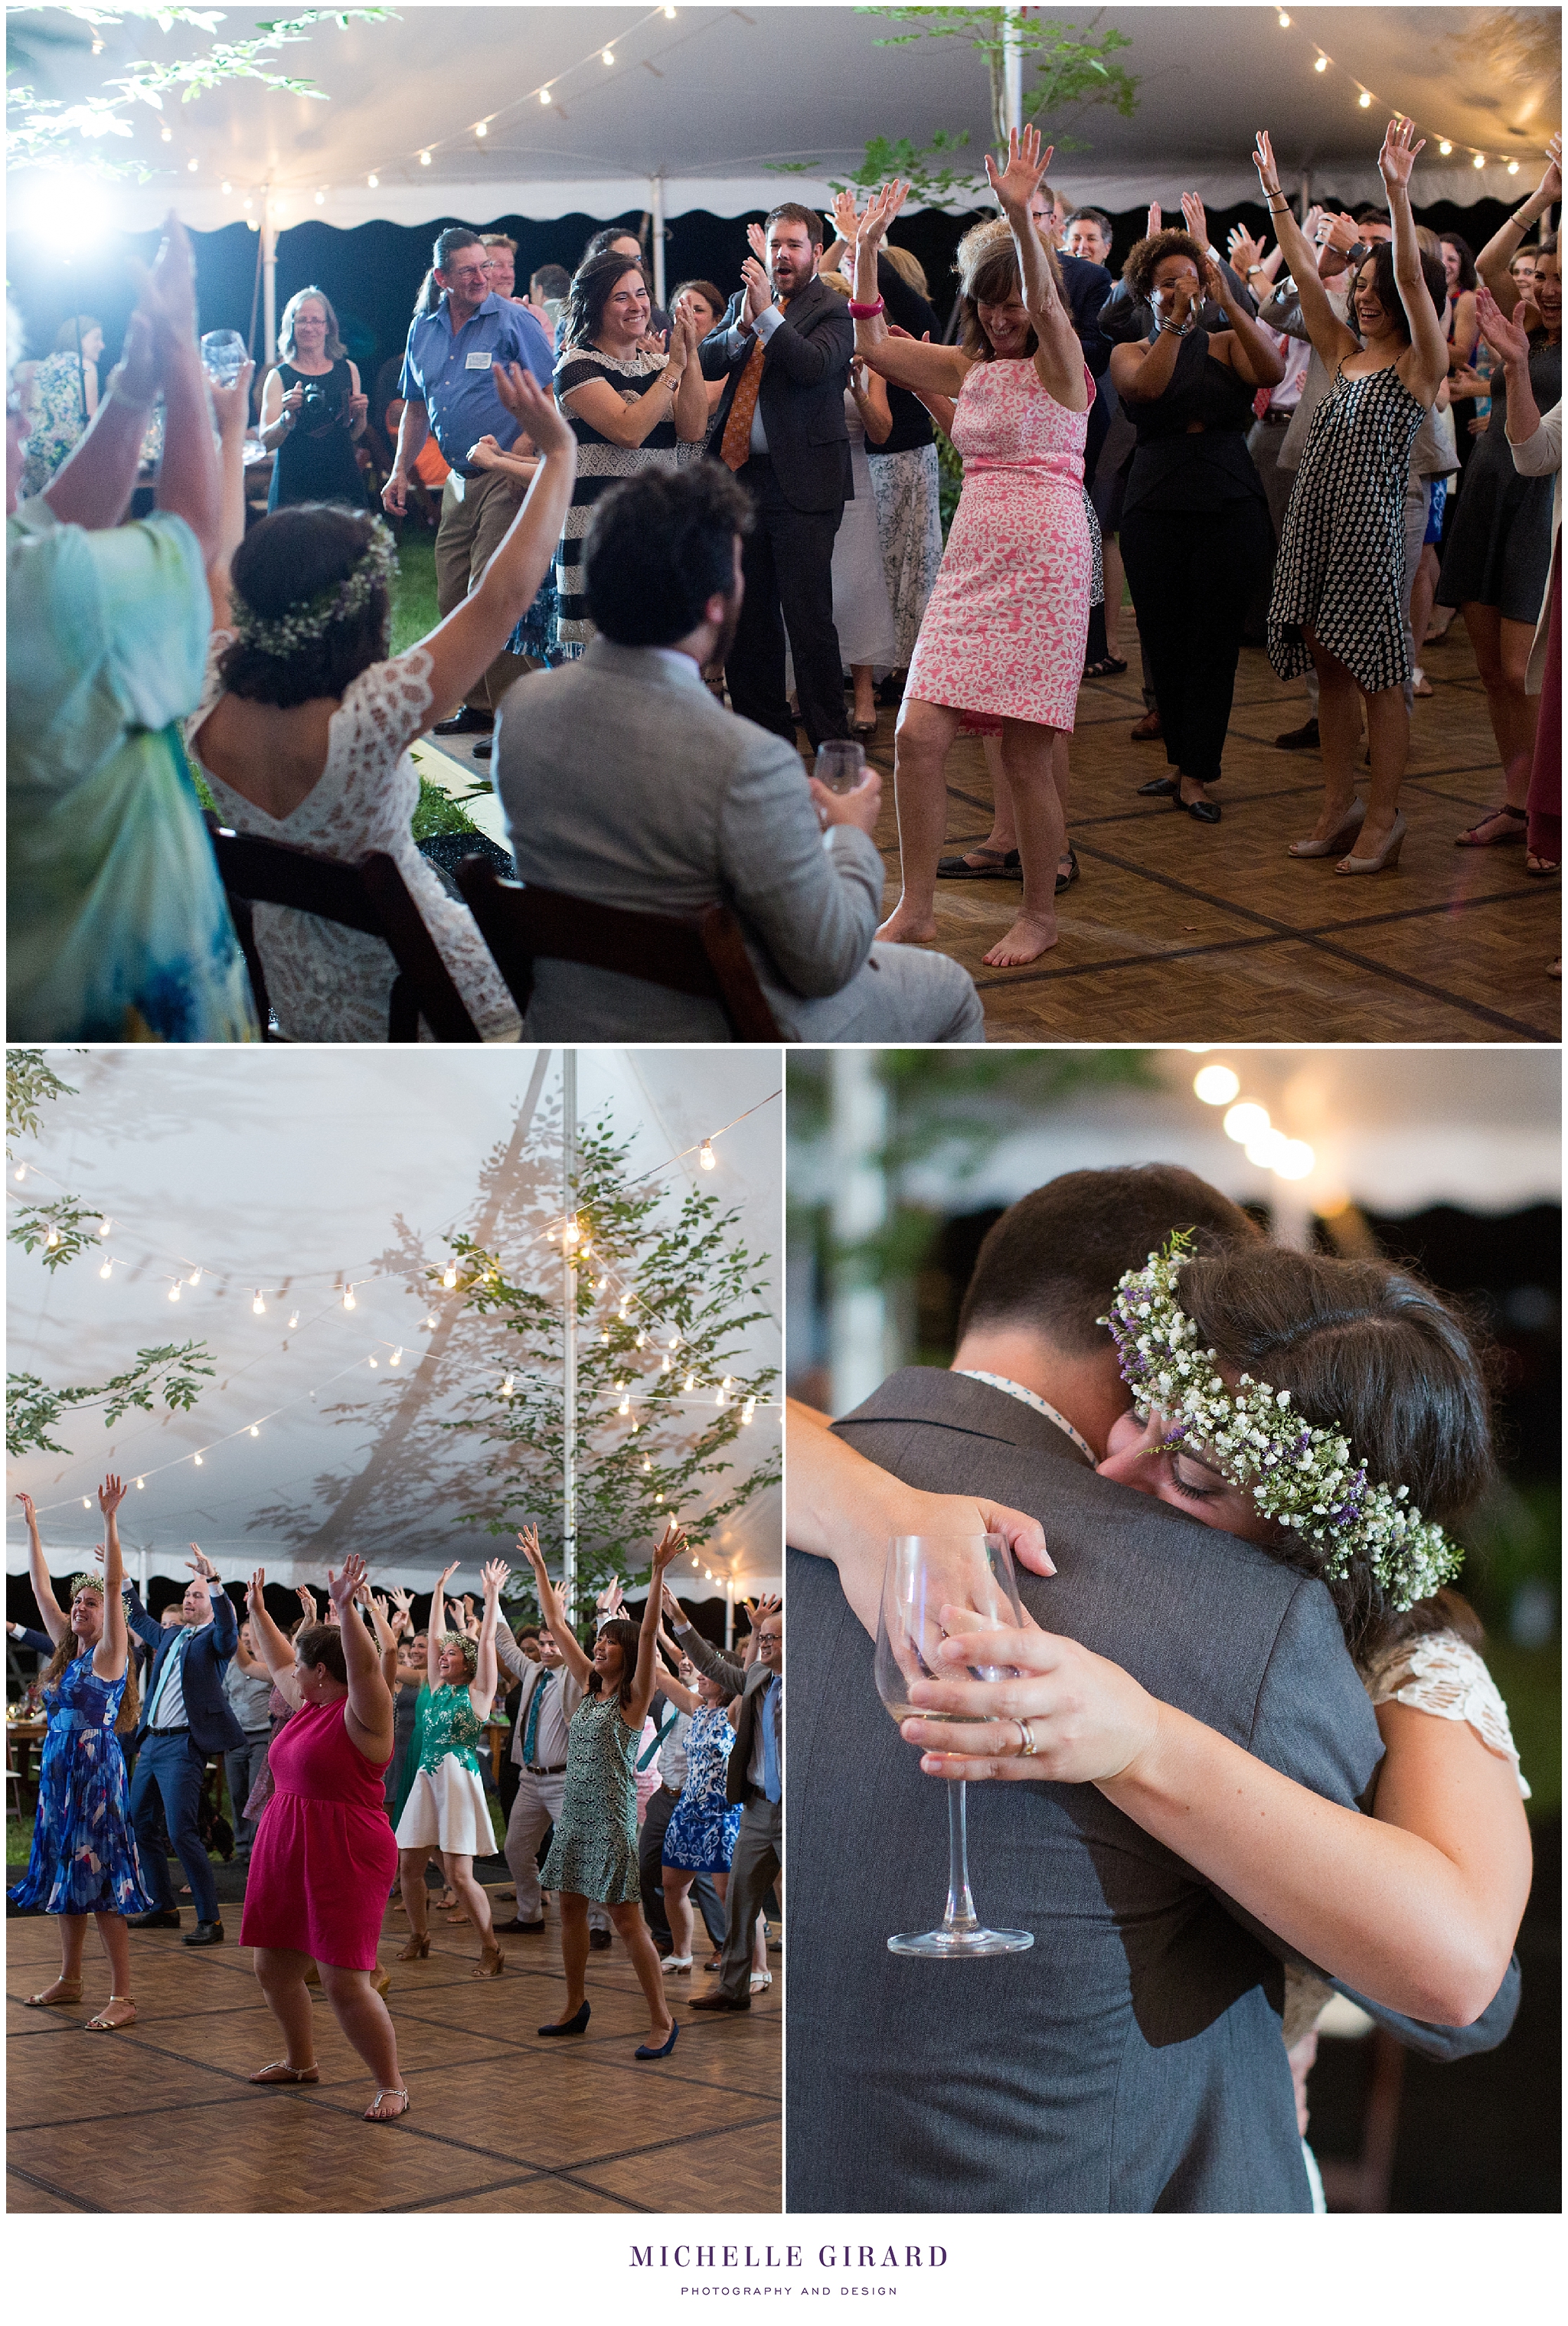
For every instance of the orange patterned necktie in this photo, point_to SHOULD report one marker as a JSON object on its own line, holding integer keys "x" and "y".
{"x": 735, "y": 449}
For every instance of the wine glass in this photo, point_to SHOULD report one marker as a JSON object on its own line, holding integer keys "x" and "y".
{"x": 840, "y": 765}
{"x": 225, "y": 355}
{"x": 935, "y": 1585}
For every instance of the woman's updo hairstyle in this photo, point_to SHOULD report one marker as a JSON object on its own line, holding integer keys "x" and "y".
{"x": 1365, "y": 1347}
{"x": 986, "y": 264}
{"x": 321, "y": 1645}
{"x": 283, "y": 563}
{"x": 1142, "y": 259}
{"x": 467, "y": 1648}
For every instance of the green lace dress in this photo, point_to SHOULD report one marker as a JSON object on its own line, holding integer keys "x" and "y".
{"x": 446, "y": 1807}
{"x": 594, "y": 1854}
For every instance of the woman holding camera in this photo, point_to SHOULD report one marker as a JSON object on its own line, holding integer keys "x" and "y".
{"x": 312, "y": 412}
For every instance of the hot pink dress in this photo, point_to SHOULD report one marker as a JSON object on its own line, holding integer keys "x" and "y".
{"x": 1005, "y": 631}
{"x": 323, "y": 1857}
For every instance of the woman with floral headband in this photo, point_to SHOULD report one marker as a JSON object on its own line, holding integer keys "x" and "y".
{"x": 1324, "y": 1410}
{"x": 303, "y": 730}
{"x": 447, "y": 1808}
{"x": 84, "y": 1854}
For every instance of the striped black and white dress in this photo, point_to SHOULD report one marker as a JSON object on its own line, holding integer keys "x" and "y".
{"x": 1340, "y": 569}
{"x": 601, "y": 464}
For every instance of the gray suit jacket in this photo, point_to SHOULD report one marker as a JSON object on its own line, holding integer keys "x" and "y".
{"x": 624, "y": 781}
{"x": 1131, "y": 2062}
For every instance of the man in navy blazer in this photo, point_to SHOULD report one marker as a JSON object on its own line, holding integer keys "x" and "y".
{"x": 783, "y": 352}
{"x": 185, "y": 1717}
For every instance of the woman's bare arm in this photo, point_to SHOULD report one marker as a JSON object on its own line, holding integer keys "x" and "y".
{"x": 367, "y": 1714}
{"x": 1492, "y": 264}
{"x": 109, "y": 1655}
{"x": 482, "y": 1691}
{"x": 277, "y": 1650}
{"x": 907, "y": 363}
{"x": 56, "y": 1623}
{"x": 666, "y": 1551}
{"x": 1059, "y": 356}
{"x": 551, "y": 1611}
{"x": 1424, "y": 366}
{"x": 1417, "y": 1906}
{"x": 1332, "y": 339}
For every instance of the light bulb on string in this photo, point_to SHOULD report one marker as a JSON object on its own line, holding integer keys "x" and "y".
{"x": 604, "y": 1337}
{"x": 107, "y": 1269}
{"x": 53, "y": 1238}
{"x": 608, "y": 55}
{"x": 373, "y": 180}
{"x": 104, "y": 1226}
{"x": 20, "y": 1173}
{"x": 424, "y": 161}
{"x": 748, "y": 1409}
{"x": 85, "y": 1503}
{"x": 371, "y": 1361}
{"x": 664, "y": 1368}
{"x": 258, "y": 1306}
{"x": 1479, "y": 162}
{"x": 194, "y": 1277}
{"x": 506, "y": 1386}
{"x": 674, "y": 1339}
{"x": 1445, "y": 145}
{"x": 427, "y": 1325}
{"x": 1322, "y": 65}
{"x": 1365, "y": 99}
{"x": 293, "y": 1320}
{"x": 142, "y": 1484}
{"x": 545, "y": 97}
{"x": 481, "y": 128}
{"x": 647, "y": 1463}
{"x": 1513, "y": 169}
{"x": 642, "y": 1340}
{"x": 174, "y": 1292}
{"x": 450, "y": 1275}
{"x": 1283, "y": 21}
{"x": 625, "y": 1406}
{"x": 197, "y": 1459}
{"x": 690, "y": 1383}
{"x": 255, "y": 1430}
{"x": 705, "y": 1155}
{"x": 397, "y": 1357}
{"x": 348, "y": 1299}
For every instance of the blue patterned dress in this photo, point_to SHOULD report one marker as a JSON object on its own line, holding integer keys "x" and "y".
{"x": 84, "y": 1854}
{"x": 701, "y": 1835}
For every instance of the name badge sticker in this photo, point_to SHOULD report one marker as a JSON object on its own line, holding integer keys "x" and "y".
{"x": 478, "y": 361}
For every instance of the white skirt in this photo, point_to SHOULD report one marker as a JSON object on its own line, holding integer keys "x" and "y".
{"x": 448, "y": 1811}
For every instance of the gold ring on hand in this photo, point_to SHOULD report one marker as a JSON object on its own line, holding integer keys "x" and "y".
{"x": 1026, "y": 1745}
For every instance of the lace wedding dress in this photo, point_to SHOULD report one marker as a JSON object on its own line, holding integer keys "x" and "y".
{"x": 333, "y": 984}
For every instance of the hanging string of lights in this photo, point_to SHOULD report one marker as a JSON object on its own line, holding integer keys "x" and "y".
{"x": 1366, "y": 99}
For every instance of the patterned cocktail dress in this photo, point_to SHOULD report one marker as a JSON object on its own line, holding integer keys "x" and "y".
{"x": 594, "y": 1854}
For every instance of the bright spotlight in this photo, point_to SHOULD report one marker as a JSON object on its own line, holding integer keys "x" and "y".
{"x": 1216, "y": 1085}
{"x": 1295, "y": 1160}
{"x": 1246, "y": 1121}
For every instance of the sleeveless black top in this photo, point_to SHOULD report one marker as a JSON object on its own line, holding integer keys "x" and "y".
{"x": 315, "y": 462}
{"x": 1173, "y": 470}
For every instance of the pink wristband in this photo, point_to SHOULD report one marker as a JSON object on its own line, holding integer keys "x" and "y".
{"x": 862, "y": 314}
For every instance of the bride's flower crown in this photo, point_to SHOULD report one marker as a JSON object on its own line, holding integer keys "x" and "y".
{"x": 1304, "y": 1478}
{"x": 302, "y": 625}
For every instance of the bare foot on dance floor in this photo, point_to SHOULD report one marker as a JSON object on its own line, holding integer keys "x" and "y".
{"x": 903, "y": 926}
{"x": 1026, "y": 940}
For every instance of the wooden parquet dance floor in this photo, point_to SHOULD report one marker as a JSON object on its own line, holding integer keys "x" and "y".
{"x": 159, "y": 2119}
{"x": 1452, "y": 946}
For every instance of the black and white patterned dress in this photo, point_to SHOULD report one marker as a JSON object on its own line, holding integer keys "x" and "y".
{"x": 1341, "y": 556}
{"x": 601, "y": 464}
{"x": 594, "y": 1853}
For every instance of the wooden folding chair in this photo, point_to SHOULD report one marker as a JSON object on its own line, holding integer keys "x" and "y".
{"x": 702, "y": 955}
{"x": 370, "y": 895}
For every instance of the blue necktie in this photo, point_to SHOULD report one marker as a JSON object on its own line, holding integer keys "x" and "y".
{"x": 172, "y": 1662}
{"x": 530, "y": 1721}
{"x": 770, "y": 1776}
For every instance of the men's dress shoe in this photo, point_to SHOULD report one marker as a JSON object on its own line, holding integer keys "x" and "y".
{"x": 515, "y": 1925}
{"x": 1160, "y": 787}
{"x": 157, "y": 1918}
{"x": 467, "y": 721}
{"x": 205, "y": 1934}
{"x": 720, "y": 2002}
{"x": 485, "y": 750}
{"x": 1148, "y": 729}
{"x": 600, "y": 1941}
{"x": 1299, "y": 738}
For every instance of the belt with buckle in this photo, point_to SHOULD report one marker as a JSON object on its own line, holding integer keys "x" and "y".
{"x": 533, "y": 1771}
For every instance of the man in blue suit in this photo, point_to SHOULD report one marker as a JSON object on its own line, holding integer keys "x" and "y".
{"x": 185, "y": 1717}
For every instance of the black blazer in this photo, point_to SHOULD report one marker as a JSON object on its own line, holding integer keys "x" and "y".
{"x": 1131, "y": 2060}
{"x": 802, "y": 398}
{"x": 737, "y": 1786}
{"x": 208, "y": 1712}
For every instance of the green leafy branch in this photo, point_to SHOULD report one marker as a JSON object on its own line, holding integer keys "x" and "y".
{"x": 174, "y": 1375}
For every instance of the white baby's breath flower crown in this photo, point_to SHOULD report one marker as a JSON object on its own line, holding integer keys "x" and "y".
{"x": 304, "y": 624}
{"x": 1304, "y": 1478}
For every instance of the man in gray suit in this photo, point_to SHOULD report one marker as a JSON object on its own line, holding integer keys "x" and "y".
{"x": 624, "y": 781}
{"x": 755, "y": 1778}
{"x": 1131, "y": 2060}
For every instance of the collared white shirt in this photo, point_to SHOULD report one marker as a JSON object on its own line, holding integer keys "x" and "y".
{"x": 1027, "y": 1397}
{"x": 169, "y": 1712}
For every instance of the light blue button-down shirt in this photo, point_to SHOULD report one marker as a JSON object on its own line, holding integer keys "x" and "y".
{"x": 449, "y": 373}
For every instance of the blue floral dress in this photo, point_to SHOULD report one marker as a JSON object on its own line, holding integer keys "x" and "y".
{"x": 84, "y": 1854}
{"x": 701, "y": 1835}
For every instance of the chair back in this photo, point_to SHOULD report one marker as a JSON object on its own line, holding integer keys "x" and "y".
{"x": 372, "y": 897}
{"x": 702, "y": 954}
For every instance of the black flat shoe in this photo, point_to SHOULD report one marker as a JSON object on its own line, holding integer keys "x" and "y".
{"x": 600, "y": 1941}
{"x": 1200, "y": 811}
{"x": 485, "y": 750}
{"x": 575, "y": 2026}
{"x": 1007, "y": 866}
{"x": 467, "y": 721}
{"x": 515, "y": 1925}
{"x": 205, "y": 1934}
{"x": 1299, "y": 738}
{"x": 157, "y": 1918}
{"x": 1065, "y": 880}
{"x": 1162, "y": 787}
{"x": 720, "y": 2002}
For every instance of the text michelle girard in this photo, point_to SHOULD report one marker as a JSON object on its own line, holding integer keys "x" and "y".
{"x": 724, "y": 2262}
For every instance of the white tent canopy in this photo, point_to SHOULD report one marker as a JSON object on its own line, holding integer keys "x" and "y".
{"x": 700, "y": 104}
{"x": 288, "y": 1178}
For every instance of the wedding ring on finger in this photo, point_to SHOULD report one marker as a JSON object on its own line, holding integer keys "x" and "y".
{"x": 1026, "y": 1745}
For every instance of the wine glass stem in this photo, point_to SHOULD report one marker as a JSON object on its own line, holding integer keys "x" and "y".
{"x": 961, "y": 1907}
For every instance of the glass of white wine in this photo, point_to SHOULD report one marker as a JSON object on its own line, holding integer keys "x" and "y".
{"x": 936, "y": 1587}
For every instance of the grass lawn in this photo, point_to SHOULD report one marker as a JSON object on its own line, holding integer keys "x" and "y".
{"x": 414, "y": 611}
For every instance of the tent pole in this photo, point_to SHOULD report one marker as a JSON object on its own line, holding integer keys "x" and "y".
{"x": 658, "y": 196}
{"x": 1012, "y": 73}
{"x": 729, "y": 1611}
{"x": 269, "y": 254}
{"x": 568, "y": 1325}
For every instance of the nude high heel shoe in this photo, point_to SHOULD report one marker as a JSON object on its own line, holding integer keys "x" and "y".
{"x": 1340, "y": 839}
{"x": 1386, "y": 858}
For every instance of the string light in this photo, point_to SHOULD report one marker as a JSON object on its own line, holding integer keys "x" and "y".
{"x": 705, "y": 1155}
{"x": 609, "y": 56}
{"x": 53, "y": 1238}
{"x": 625, "y": 1406}
{"x": 1322, "y": 65}
{"x": 450, "y": 1274}
{"x": 255, "y": 1430}
{"x": 424, "y": 161}
{"x": 371, "y": 1363}
{"x": 1479, "y": 162}
{"x": 1444, "y": 145}
{"x": 107, "y": 1268}
{"x": 194, "y": 1277}
{"x": 1365, "y": 99}
{"x": 506, "y": 1386}
{"x": 104, "y": 1226}
{"x": 1513, "y": 169}
{"x": 545, "y": 97}
{"x": 293, "y": 1320}
{"x": 1216, "y": 1085}
{"x": 348, "y": 1299}
{"x": 20, "y": 1173}
{"x": 690, "y": 1383}
{"x": 481, "y": 128}
{"x": 373, "y": 180}
{"x": 748, "y": 1410}
{"x": 258, "y": 1306}
{"x": 397, "y": 1357}
{"x": 141, "y": 1484}
{"x": 174, "y": 1292}
{"x": 85, "y": 1503}
{"x": 1246, "y": 1121}
{"x": 197, "y": 1458}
